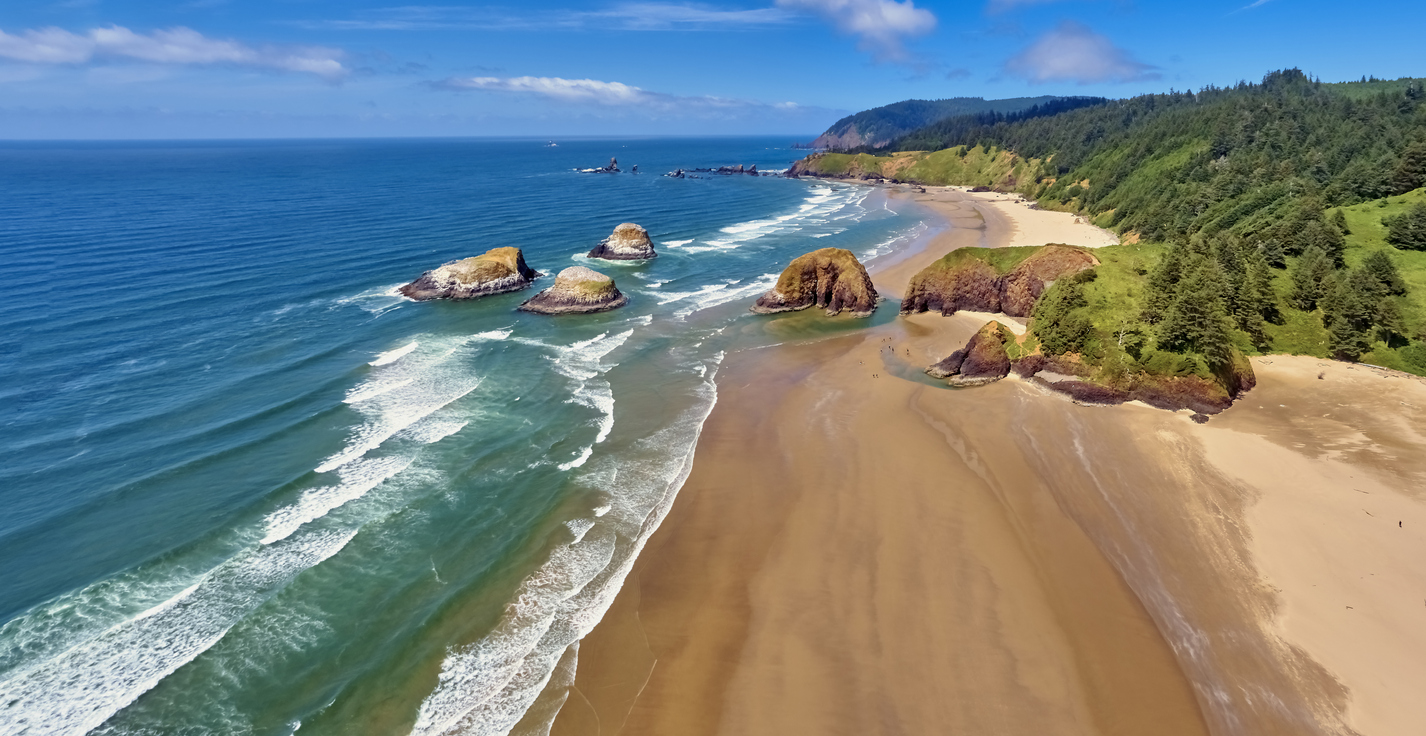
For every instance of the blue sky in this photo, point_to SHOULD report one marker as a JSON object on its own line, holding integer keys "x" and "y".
{"x": 317, "y": 68}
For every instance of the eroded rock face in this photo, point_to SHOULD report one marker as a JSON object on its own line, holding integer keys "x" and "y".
{"x": 577, "y": 290}
{"x": 973, "y": 284}
{"x": 983, "y": 359}
{"x": 498, "y": 271}
{"x": 1022, "y": 287}
{"x": 628, "y": 242}
{"x": 829, "y": 278}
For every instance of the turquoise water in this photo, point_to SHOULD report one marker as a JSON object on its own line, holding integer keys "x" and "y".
{"x": 245, "y": 488}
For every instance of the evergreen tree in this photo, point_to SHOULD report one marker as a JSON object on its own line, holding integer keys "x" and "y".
{"x": 1196, "y": 321}
{"x": 1408, "y": 230}
{"x": 1318, "y": 234}
{"x": 1309, "y": 278}
{"x": 1340, "y": 220}
{"x": 1379, "y": 265}
{"x": 1257, "y": 302}
{"x": 1272, "y": 253}
{"x": 1163, "y": 284}
{"x": 1391, "y": 326}
{"x": 1353, "y": 314}
{"x": 1410, "y": 172}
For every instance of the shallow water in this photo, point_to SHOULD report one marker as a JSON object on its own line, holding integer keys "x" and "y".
{"x": 244, "y": 488}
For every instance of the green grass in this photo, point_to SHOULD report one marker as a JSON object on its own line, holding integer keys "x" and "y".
{"x": 1367, "y": 233}
{"x": 959, "y": 166}
{"x": 1116, "y": 296}
{"x": 1000, "y": 259}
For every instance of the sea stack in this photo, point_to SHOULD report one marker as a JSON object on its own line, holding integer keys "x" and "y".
{"x": 628, "y": 242}
{"x": 577, "y": 290}
{"x": 497, "y": 271}
{"x": 831, "y": 278}
{"x": 983, "y": 359}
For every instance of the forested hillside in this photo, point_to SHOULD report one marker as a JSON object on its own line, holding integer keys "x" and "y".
{"x": 1286, "y": 216}
{"x": 878, "y": 126}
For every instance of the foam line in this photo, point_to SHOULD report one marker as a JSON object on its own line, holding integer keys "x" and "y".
{"x": 391, "y": 356}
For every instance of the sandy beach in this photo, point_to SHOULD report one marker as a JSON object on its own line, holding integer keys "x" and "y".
{"x": 860, "y": 550}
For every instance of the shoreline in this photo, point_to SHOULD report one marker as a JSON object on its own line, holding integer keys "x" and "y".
{"x": 854, "y": 552}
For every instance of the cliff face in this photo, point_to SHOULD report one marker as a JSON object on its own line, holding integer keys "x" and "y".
{"x": 996, "y": 169}
{"x": 983, "y": 359}
{"x": 497, "y": 271}
{"x": 628, "y": 242}
{"x": 963, "y": 281}
{"x": 577, "y": 290}
{"x": 829, "y": 278}
{"x": 847, "y": 138}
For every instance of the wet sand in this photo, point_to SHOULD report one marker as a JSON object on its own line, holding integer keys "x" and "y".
{"x": 861, "y": 551}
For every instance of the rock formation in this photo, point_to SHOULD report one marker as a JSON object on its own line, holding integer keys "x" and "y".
{"x": 628, "y": 242}
{"x": 612, "y": 168}
{"x": 577, "y": 290}
{"x": 962, "y": 280}
{"x": 497, "y": 271}
{"x": 831, "y": 278}
{"x": 983, "y": 359}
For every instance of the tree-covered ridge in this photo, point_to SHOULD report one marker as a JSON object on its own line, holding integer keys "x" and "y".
{"x": 878, "y": 126}
{"x": 1239, "y": 159}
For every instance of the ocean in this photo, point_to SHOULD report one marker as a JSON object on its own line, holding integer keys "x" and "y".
{"x": 245, "y": 488}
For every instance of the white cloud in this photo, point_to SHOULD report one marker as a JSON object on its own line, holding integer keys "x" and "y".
{"x": 566, "y": 90}
{"x": 881, "y": 25}
{"x": 636, "y": 16}
{"x": 179, "y": 46}
{"x": 621, "y": 97}
{"x": 1073, "y": 53}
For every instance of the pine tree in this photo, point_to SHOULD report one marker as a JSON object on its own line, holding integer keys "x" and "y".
{"x": 1382, "y": 269}
{"x": 1309, "y": 275}
{"x": 1163, "y": 284}
{"x": 1391, "y": 326}
{"x": 1257, "y": 302}
{"x": 1408, "y": 230}
{"x": 1340, "y": 220}
{"x": 1197, "y": 322}
{"x": 1272, "y": 253}
{"x": 1353, "y": 314}
{"x": 1410, "y": 172}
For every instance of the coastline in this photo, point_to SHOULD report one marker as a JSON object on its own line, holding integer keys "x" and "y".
{"x": 859, "y": 551}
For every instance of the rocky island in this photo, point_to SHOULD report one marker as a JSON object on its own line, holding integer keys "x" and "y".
{"x": 628, "y": 242}
{"x": 829, "y": 278}
{"x": 497, "y": 271}
{"x": 577, "y": 290}
{"x": 983, "y": 359}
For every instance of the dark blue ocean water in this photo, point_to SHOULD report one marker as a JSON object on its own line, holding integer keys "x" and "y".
{"x": 245, "y": 488}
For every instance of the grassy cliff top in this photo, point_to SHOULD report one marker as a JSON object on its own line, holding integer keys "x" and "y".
{"x": 959, "y": 166}
{"x": 493, "y": 264}
{"x": 805, "y": 267}
{"x": 1003, "y": 260}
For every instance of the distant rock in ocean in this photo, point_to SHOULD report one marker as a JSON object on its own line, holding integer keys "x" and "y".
{"x": 498, "y": 271}
{"x": 612, "y": 168}
{"x": 983, "y": 359}
{"x": 831, "y": 278}
{"x": 577, "y": 290}
{"x": 962, "y": 280}
{"x": 628, "y": 242}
